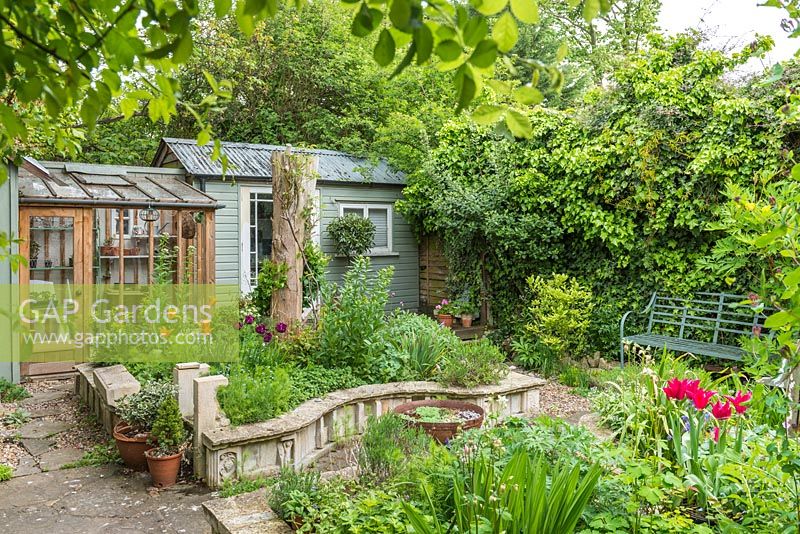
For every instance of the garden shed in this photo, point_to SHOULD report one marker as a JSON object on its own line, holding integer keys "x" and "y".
{"x": 82, "y": 224}
{"x": 345, "y": 184}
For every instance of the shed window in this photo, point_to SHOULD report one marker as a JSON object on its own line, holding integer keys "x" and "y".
{"x": 381, "y": 217}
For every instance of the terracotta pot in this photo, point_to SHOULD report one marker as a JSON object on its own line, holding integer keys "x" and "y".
{"x": 131, "y": 449}
{"x": 446, "y": 319}
{"x": 108, "y": 250}
{"x": 163, "y": 469}
{"x": 466, "y": 320}
{"x": 443, "y": 432}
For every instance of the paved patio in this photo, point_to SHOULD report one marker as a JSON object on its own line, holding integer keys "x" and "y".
{"x": 103, "y": 499}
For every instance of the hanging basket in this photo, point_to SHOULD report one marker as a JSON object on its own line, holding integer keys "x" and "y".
{"x": 188, "y": 225}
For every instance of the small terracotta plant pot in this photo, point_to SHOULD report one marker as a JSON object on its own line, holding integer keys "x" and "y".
{"x": 446, "y": 319}
{"x": 442, "y": 432}
{"x": 163, "y": 469}
{"x": 131, "y": 447}
{"x": 466, "y": 320}
{"x": 109, "y": 250}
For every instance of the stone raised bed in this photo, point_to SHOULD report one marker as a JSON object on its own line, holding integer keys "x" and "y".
{"x": 297, "y": 438}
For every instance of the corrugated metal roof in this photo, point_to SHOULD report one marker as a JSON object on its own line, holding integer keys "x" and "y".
{"x": 249, "y": 160}
{"x": 83, "y": 183}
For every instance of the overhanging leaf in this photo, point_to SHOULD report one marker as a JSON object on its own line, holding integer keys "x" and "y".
{"x": 505, "y": 32}
{"x": 487, "y": 114}
{"x": 526, "y": 11}
{"x": 484, "y": 54}
{"x": 384, "y": 48}
{"x": 519, "y": 124}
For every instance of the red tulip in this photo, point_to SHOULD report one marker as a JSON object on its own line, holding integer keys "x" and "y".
{"x": 680, "y": 389}
{"x": 716, "y": 434}
{"x": 701, "y": 397}
{"x": 739, "y": 399}
{"x": 722, "y": 410}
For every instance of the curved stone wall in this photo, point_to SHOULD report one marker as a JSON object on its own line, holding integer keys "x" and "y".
{"x": 299, "y": 437}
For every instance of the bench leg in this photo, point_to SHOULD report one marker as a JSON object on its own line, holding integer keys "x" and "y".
{"x": 621, "y": 354}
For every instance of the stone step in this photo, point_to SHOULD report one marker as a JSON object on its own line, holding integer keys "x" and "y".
{"x": 247, "y": 513}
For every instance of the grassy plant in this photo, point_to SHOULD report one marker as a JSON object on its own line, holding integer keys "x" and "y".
{"x": 10, "y": 392}
{"x": 534, "y": 355}
{"x": 472, "y": 364}
{"x": 292, "y": 485}
{"x": 527, "y": 495}
{"x": 6, "y": 472}
{"x": 100, "y": 454}
{"x": 386, "y": 445}
{"x": 575, "y": 377}
{"x": 233, "y": 487}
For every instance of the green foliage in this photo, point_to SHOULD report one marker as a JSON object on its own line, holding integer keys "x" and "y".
{"x": 387, "y": 445}
{"x": 534, "y": 355}
{"x": 313, "y": 279}
{"x": 99, "y": 454}
{"x": 16, "y": 418}
{"x": 352, "y": 235}
{"x": 616, "y": 195}
{"x": 411, "y": 347}
{"x": 575, "y": 377}
{"x": 231, "y": 487}
{"x": 141, "y": 409}
{"x": 10, "y": 392}
{"x": 315, "y": 381}
{"x": 168, "y": 433}
{"x": 353, "y": 316}
{"x": 271, "y": 277}
{"x": 552, "y": 501}
{"x": 254, "y": 395}
{"x": 472, "y": 364}
{"x": 560, "y": 312}
{"x": 291, "y": 485}
{"x": 6, "y": 472}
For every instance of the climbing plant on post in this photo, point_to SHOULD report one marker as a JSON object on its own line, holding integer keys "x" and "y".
{"x": 293, "y": 184}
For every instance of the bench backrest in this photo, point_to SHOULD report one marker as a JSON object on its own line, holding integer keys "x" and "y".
{"x": 715, "y": 317}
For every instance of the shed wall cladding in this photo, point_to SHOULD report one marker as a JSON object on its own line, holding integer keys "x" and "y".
{"x": 405, "y": 259}
{"x": 227, "y": 246}
{"x": 9, "y": 223}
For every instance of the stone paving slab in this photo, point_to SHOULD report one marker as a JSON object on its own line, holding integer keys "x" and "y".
{"x": 27, "y": 466}
{"x": 58, "y": 458}
{"x": 37, "y": 446}
{"x": 44, "y": 412}
{"x": 90, "y": 500}
{"x": 42, "y": 429}
{"x": 44, "y": 396}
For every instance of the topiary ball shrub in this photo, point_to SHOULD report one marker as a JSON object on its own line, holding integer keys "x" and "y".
{"x": 352, "y": 235}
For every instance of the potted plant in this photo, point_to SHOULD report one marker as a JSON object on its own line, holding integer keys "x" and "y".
{"x": 444, "y": 312}
{"x": 169, "y": 439}
{"x": 108, "y": 248}
{"x": 466, "y": 312}
{"x": 441, "y": 419}
{"x": 33, "y": 258}
{"x": 138, "y": 414}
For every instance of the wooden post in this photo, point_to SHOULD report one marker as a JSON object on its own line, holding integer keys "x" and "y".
{"x": 177, "y": 221}
{"x": 293, "y": 184}
{"x": 121, "y": 234}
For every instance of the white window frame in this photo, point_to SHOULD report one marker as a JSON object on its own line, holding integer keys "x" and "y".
{"x": 245, "y": 282}
{"x": 364, "y": 207}
{"x": 115, "y": 229}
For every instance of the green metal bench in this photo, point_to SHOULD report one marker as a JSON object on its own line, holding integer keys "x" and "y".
{"x": 713, "y": 317}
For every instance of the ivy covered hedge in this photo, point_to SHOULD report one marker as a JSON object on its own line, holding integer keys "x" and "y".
{"x": 618, "y": 194}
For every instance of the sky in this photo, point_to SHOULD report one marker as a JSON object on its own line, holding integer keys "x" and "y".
{"x": 731, "y": 23}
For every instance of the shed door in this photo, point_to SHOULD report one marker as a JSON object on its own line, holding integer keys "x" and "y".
{"x": 58, "y": 245}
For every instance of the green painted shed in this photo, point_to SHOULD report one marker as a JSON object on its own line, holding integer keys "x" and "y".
{"x": 345, "y": 184}
{"x": 9, "y": 224}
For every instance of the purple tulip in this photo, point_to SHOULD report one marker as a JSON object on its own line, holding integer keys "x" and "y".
{"x": 261, "y": 328}
{"x": 248, "y": 319}
{"x": 281, "y": 327}
{"x": 267, "y": 337}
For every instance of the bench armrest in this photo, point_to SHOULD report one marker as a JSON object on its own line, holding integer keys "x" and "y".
{"x": 622, "y": 336}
